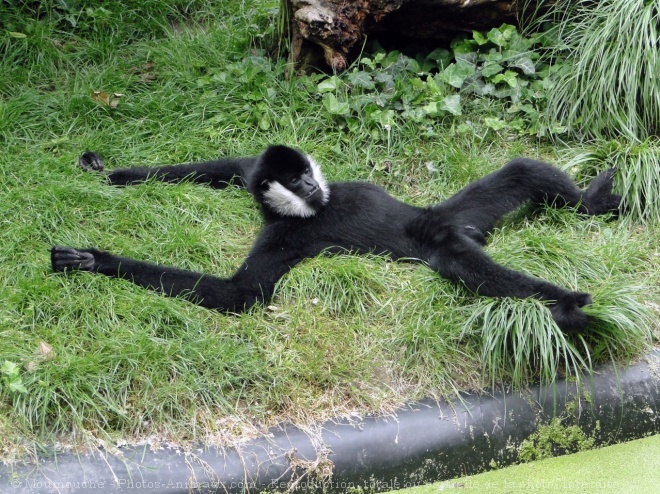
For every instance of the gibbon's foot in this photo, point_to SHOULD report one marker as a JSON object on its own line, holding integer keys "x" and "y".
{"x": 91, "y": 161}
{"x": 568, "y": 314}
{"x": 68, "y": 259}
{"x": 598, "y": 198}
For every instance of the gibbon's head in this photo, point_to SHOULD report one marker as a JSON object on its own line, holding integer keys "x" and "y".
{"x": 289, "y": 183}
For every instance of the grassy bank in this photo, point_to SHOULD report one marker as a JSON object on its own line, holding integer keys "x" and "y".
{"x": 99, "y": 359}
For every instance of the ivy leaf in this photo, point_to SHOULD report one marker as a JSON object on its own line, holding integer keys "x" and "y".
{"x": 456, "y": 73}
{"x": 391, "y": 58}
{"x": 441, "y": 56}
{"x": 510, "y": 77}
{"x": 334, "y": 106}
{"x": 525, "y": 64}
{"x": 385, "y": 118}
{"x": 361, "y": 79}
{"x": 495, "y": 123}
{"x": 518, "y": 43}
{"x": 9, "y": 368}
{"x": 516, "y": 93}
{"x": 470, "y": 58}
{"x": 493, "y": 56}
{"x": 479, "y": 38}
{"x": 464, "y": 45}
{"x": 17, "y": 387}
{"x": 264, "y": 122}
{"x": 488, "y": 89}
{"x": 496, "y": 37}
{"x": 431, "y": 108}
{"x": 353, "y": 124}
{"x": 406, "y": 64}
{"x": 358, "y": 102}
{"x": 329, "y": 85}
{"x": 416, "y": 114}
{"x": 502, "y": 93}
{"x": 387, "y": 80}
{"x": 501, "y": 36}
{"x": 479, "y": 87}
{"x": 452, "y": 104}
{"x": 490, "y": 69}
{"x": 529, "y": 109}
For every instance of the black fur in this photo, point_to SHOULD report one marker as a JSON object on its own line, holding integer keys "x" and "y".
{"x": 360, "y": 218}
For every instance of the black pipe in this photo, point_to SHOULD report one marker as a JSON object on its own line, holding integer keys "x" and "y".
{"x": 423, "y": 443}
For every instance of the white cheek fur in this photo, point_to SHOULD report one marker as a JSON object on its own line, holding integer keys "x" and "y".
{"x": 320, "y": 179}
{"x": 286, "y": 203}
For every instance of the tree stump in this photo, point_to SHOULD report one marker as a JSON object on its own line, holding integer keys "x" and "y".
{"x": 329, "y": 34}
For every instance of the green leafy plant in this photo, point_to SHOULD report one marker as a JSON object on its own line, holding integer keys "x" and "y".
{"x": 10, "y": 377}
{"x": 390, "y": 87}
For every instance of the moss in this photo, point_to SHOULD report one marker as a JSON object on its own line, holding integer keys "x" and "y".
{"x": 554, "y": 439}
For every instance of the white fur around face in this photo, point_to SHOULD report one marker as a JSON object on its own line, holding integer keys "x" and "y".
{"x": 286, "y": 203}
{"x": 320, "y": 179}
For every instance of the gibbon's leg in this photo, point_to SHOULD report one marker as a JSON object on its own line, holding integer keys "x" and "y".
{"x": 217, "y": 173}
{"x": 254, "y": 281}
{"x": 461, "y": 259}
{"x": 482, "y": 203}
{"x": 452, "y": 231}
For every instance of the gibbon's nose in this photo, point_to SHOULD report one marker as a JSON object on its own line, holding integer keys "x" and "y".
{"x": 310, "y": 186}
{"x": 312, "y": 191}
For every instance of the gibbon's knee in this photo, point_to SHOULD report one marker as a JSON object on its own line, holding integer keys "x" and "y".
{"x": 521, "y": 168}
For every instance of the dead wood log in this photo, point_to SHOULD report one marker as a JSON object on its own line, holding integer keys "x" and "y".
{"x": 329, "y": 34}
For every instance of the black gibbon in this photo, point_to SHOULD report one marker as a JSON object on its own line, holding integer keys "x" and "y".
{"x": 305, "y": 216}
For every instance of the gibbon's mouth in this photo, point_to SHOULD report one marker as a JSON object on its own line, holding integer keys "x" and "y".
{"x": 312, "y": 192}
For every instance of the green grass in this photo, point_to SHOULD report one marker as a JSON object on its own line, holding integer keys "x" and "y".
{"x": 342, "y": 334}
{"x": 637, "y": 175}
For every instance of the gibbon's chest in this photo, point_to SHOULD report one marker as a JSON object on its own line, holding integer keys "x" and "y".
{"x": 361, "y": 217}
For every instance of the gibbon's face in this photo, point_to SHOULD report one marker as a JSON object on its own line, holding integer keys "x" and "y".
{"x": 300, "y": 191}
{"x": 304, "y": 185}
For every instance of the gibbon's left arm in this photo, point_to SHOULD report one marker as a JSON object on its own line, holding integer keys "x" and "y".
{"x": 216, "y": 173}
{"x": 253, "y": 283}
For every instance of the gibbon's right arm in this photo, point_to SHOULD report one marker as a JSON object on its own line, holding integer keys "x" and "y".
{"x": 253, "y": 283}
{"x": 216, "y": 173}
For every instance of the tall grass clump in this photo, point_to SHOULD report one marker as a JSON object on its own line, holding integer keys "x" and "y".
{"x": 637, "y": 178}
{"x": 608, "y": 86}
{"x": 520, "y": 338}
{"x": 520, "y": 341}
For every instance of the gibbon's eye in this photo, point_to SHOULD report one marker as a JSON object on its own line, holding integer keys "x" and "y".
{"x": 308, "y": 170}
{"x": 264, "y": 184}
{"x": 294, "y": 180}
